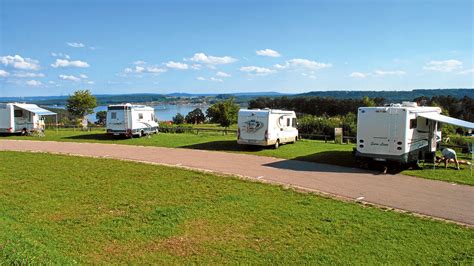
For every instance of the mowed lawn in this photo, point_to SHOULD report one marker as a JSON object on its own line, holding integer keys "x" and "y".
{"x": 306, "y": 150}
{"x": 64, "y": 209}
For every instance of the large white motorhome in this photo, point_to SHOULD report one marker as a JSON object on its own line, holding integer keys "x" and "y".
{"x": 400, "y": 133}
{"x": 131, "y": 120}
{"x": 21, "y": 117}
{"x": 266, "y": 127}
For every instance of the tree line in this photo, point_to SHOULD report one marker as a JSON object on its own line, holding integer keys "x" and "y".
{"x": 461, "y": 108}
{"x": 317, "y": 106}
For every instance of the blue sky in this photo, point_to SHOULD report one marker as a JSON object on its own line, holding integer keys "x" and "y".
{"x": 56, "y": 47}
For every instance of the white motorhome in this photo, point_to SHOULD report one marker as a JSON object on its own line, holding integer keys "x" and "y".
{"x": 266, "y": 127}
{"x": 401, "y": 133}
{"x": 131, "y": 120}
{"x": 21, "y": 117}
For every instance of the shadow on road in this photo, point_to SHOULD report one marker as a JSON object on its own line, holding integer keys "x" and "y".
{"x": 223, "y": 145}
{"x": 96, "y": 136}
{"x": 297, "y": 165}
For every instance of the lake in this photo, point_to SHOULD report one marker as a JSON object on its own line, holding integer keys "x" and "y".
{"x": 164, "y": 112}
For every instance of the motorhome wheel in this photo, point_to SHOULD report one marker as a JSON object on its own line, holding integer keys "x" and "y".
{"x": 277, "y": 144}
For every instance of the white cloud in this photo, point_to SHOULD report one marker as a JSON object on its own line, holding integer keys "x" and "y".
{"x": 467, "y": 71}
{"x": 223, "y": 74}
{"x": 176, "y": 65}
{"x": 144, "y": 69}
{"x": 67, "y": 63}
{"x": 377, "y": 73}
{"x": 443, "y": 66}
{"x": 4, "y": 74}
{"x": 358, "y": 75}
{"x": 60, "y": 55}
{"x": 28, "y": 75}
{"x": 90, "y": 82}
{"x": 261, "y": 71}
{"x": 139, "y": 62}
{"x": 299, "y": 63}
{"x": 200, "y": 78}
{"x": 76, "y": 44}
{"x": 70, "y": 78}
{"x": 19, "y": 62}
{"x": 390, "y": 72}
{"x": 268, "y": 52}
{"x": 215, "y": 79}
{"x": 33, "y": 83}
{"x": 196, "y": 66}
{"x": 309, "y": 76}
{"x": 82, "y": 76}
{"x": 212, "y": 60}
{"x": 155, "y": 70}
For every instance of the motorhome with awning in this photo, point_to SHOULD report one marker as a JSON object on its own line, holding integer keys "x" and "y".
{"x": 21, "y": 117}
{"x": 402, "y": 133}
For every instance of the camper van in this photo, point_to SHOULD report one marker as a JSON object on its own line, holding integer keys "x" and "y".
{"x": 266, "y": 127}
{"x": 21, "y": 117}
{"x": 131, "y": 120}
{"x": 400, "y": 133}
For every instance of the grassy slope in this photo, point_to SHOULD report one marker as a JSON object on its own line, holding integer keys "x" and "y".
{"x": 307, "y": 150}
{"x": 80, "y": 210}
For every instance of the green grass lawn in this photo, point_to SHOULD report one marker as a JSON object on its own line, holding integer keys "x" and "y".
{"x": 307, "y": 150}
{"x": 64, "y": 209}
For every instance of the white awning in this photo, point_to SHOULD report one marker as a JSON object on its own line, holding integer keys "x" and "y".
{"x": 446, "y": 119}
{"x": 34, "y": 109}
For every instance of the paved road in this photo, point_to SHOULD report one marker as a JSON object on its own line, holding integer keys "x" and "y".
{"x": 427, "y": 197}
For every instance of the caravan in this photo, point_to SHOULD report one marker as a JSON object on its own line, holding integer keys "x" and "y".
{"x": 131, "y": 120}
{"x": 266, "y": 127}
{"x": 400, "y": 133}
{"x": 21, "y": 117}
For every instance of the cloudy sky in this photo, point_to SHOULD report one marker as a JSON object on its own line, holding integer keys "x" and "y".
{"x": 56, "y": 47}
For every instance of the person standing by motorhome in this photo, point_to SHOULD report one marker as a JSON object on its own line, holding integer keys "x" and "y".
{"x": 448, "y": 155}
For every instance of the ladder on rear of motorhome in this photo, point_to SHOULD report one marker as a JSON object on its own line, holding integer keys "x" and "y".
{"x": 125, "y": 117}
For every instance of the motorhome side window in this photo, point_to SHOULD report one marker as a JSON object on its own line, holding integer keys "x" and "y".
{"x": 113, "y": 115}
{"x": 288, "y": 122}
{"x": 413, "y": 123}
{"x": 18, "y": 113}
{"x": 294, "y": 122}
{"x": 140, "y": 115}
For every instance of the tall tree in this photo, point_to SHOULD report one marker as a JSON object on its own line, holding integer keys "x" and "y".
{"x": 178, "y": 119}
{"x": 81, "y": 103}
{"x": 223, "y": 112}
{"x": 196, "y": 116}
{"x": 101, "y": 117}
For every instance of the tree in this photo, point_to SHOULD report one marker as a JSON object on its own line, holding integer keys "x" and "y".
{"x": 178, "y": 119}
{"x": 101, "y": 117}
{"x": 196, "y": 116}
{"x": 224, "y": 112}
{"x": 366, "y": 101}
{"x": 81, "y": 103}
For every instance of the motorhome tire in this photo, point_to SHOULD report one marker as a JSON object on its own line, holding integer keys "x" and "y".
{"x": 277, "y": 144}
{"x": 24, "y": 132}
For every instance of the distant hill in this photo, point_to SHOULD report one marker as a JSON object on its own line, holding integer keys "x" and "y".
{"x": 244, "y": 97}
{"x": 269, "y": 93}
{"x": 392, "y": 96}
